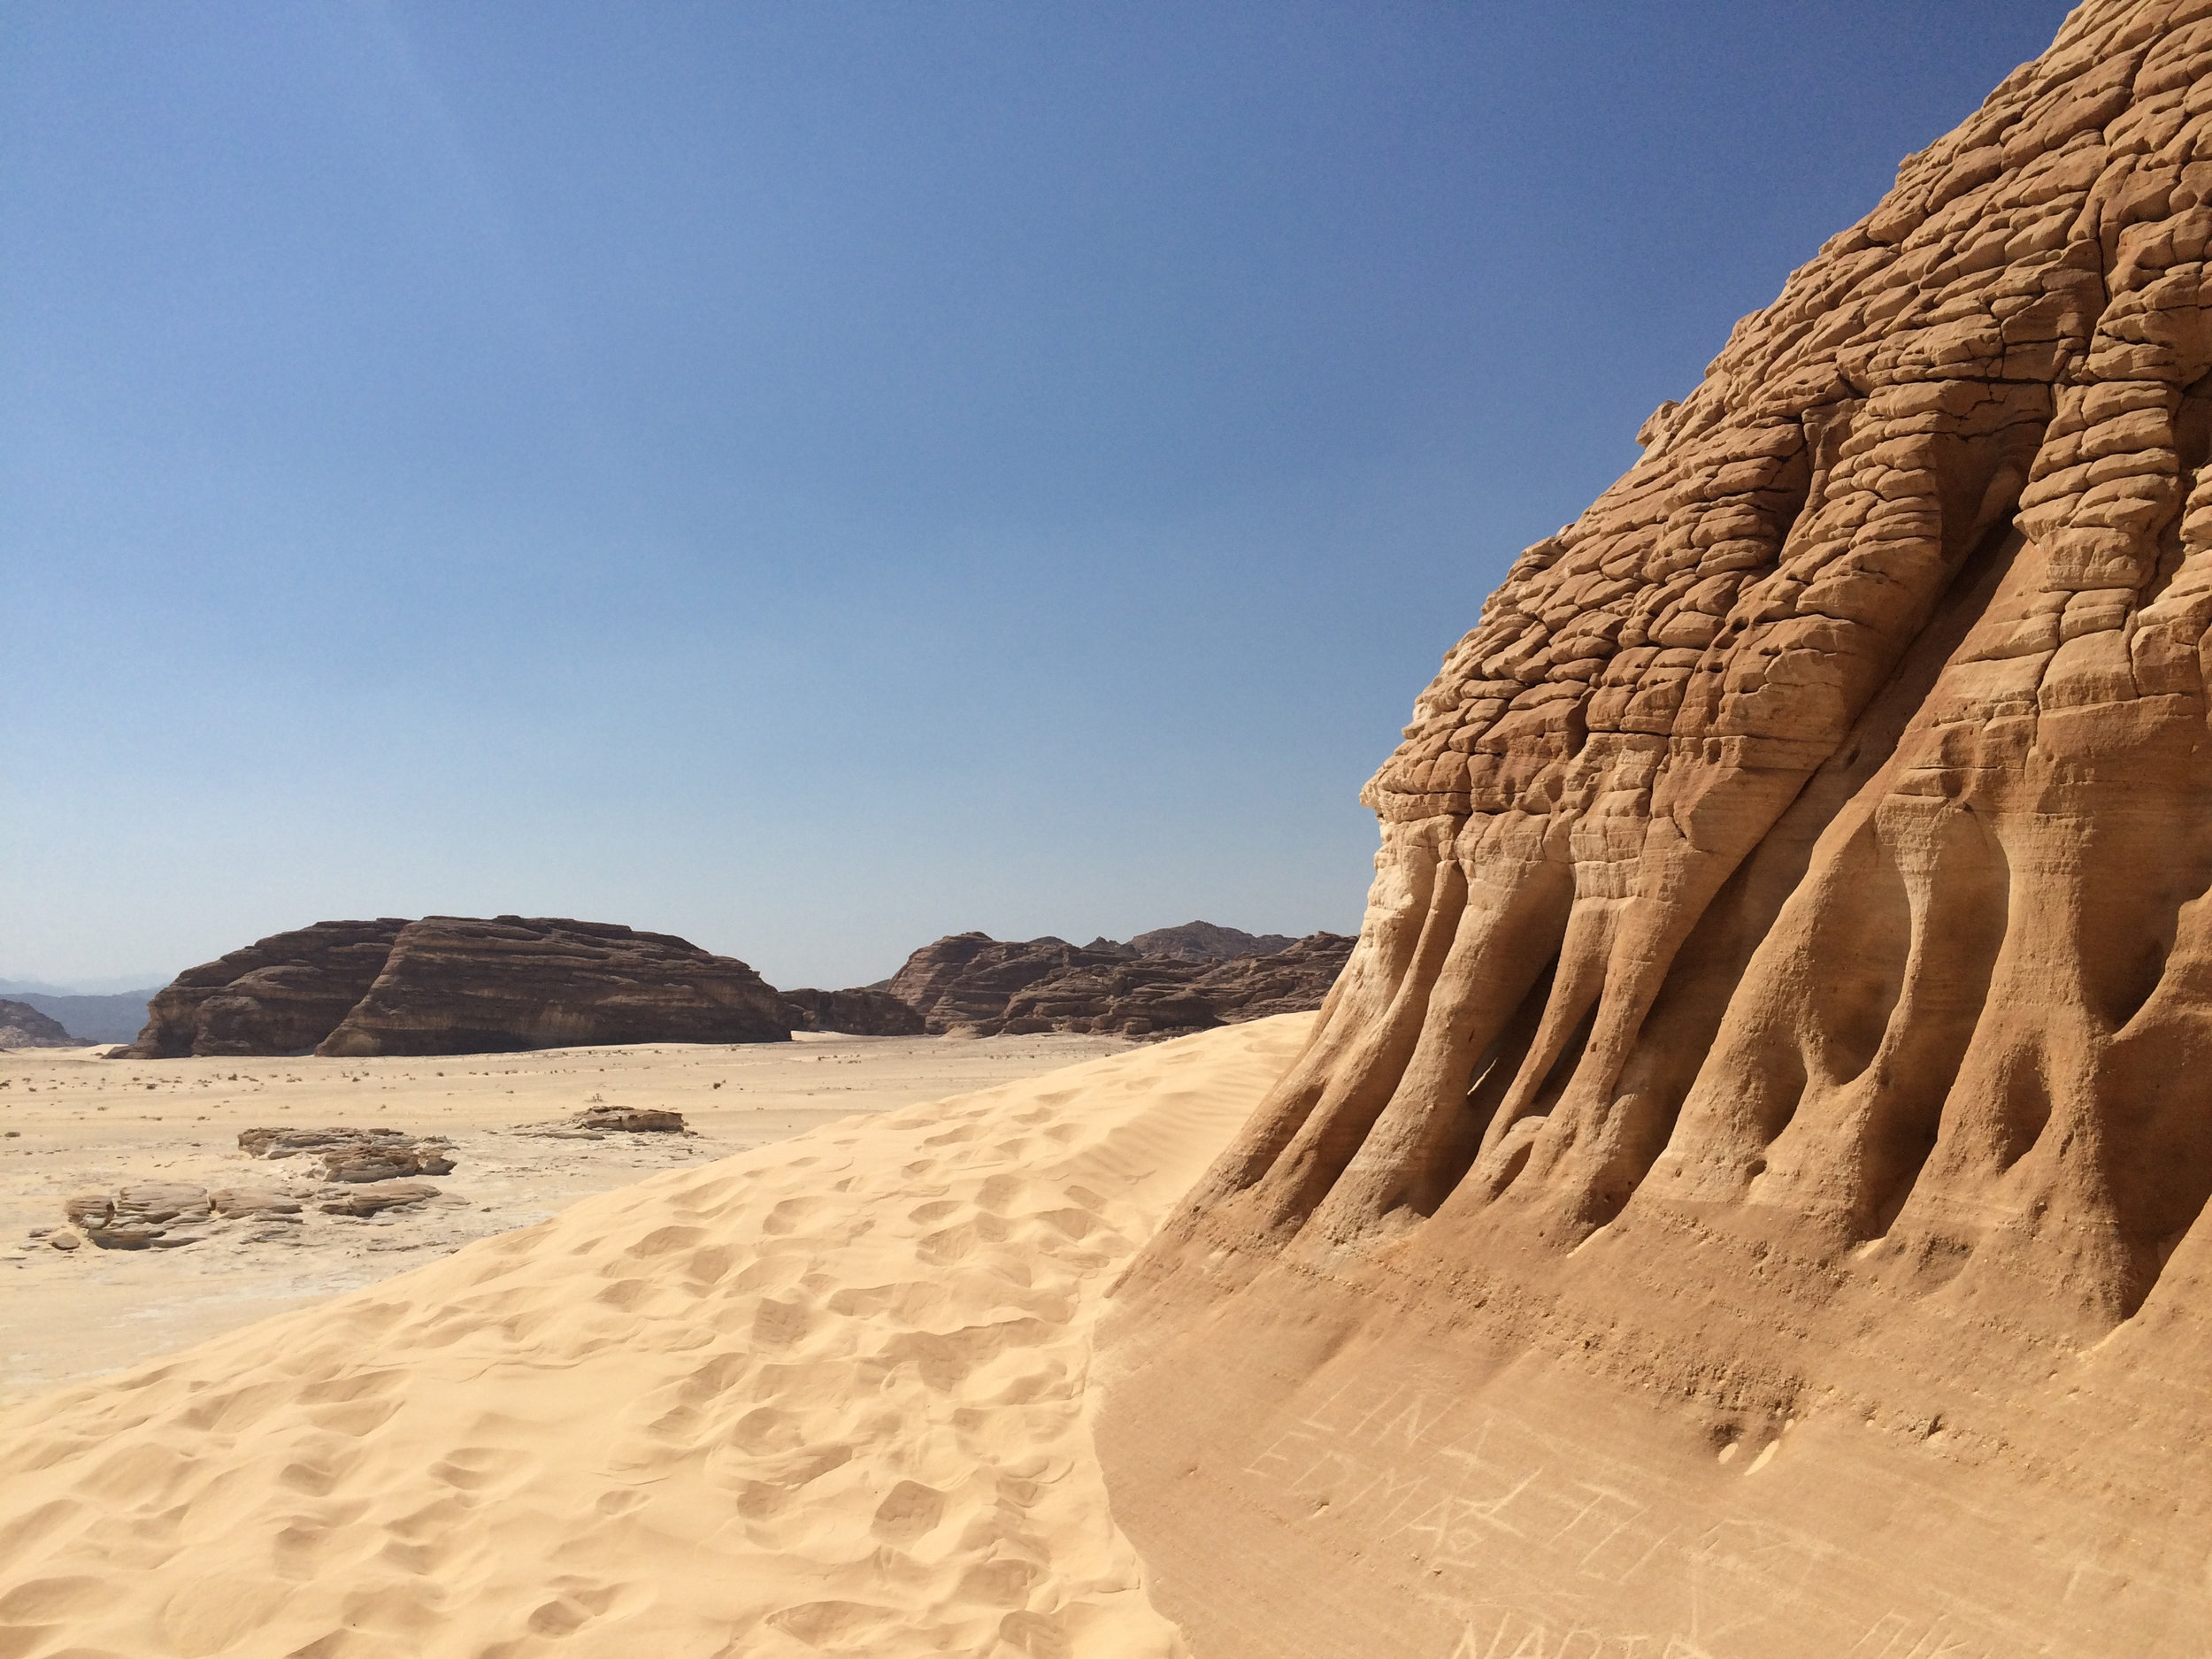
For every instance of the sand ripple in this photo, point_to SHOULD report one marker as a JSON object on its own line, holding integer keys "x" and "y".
{"x": 828, "y": 1396}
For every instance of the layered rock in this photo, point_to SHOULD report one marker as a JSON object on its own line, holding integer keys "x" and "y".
{"x": 1294, "y": 979}
{"x": 965, "y": 980}
{"x": 457, "y": 985}
{"x": 1784, "y": 1001}
{"x": 354, "y": 1155}
{"x": 23, "y": 1027}
{"x": 281, "y": 995}
{"x": 1207, "y": 941}
{"x": 863, "y": 1011}
{"x": 1160, "y": 996}
{"x": 158, "y": 1215}
{"x": 454, "y": 985}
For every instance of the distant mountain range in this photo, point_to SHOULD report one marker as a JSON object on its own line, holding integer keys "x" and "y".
{"x": 114, "y": 1018}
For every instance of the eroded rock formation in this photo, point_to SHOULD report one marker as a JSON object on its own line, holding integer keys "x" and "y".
{"x": 457, "y": 985}
{"x": 1207, "y": 941}
{"x": 354, "y": 1155}
{"x": 963, "y": 980}
{"x": 863, "y": 1011}
{"x": 1195, "y": 979}
{"x": 1155, "y": 995}
{"x": 1784, "y": 997}
{"x": 454, "y": 985}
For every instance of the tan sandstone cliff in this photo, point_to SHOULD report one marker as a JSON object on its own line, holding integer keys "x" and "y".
{"x": 1745, "y": 1195}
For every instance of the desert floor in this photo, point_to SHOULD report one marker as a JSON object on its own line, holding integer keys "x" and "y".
{"x": 70, "y": 1122}
{"x": 831, "y": 1395}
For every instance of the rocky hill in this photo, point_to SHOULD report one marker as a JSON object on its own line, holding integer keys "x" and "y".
{"x": 458, "y": 985}
{"x": 1204, "y": 942}
{"x": 972, "y": 982}
{"x": 1747, "y": 1194}
{"x": 23, "y": 1027}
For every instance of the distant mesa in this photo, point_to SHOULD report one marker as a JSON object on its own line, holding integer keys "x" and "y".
{"x": 463, "y": 985}
{"x": 1204, "y": 941}
{"x": 1174, "y": 979}
{"x": 457, "y": 985}
{"x": 23, "y": 1027}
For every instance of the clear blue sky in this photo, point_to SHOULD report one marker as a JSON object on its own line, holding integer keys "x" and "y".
{"x": 812, "y": 477}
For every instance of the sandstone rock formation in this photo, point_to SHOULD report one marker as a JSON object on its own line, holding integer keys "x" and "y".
{"x": 863, "y": 1011}
{"x": 1294, "y": 979}
{"x": 154, "y": 1214}
{"x": 631, "y": 1119}
{"x": 23, "y": 1027}
{"x": 1156, "y": 995}
{"x": 964, "y": 979}
{"x": 354, "y": 1155}
{"x": 973, "y": 982}
{"x": 456, "y": 984}
{"x": 1205, "y": 941}
{"x": 281, "y": 995}
{"x": 374, "y": 1197}
{"x": 1785, "y": 1002}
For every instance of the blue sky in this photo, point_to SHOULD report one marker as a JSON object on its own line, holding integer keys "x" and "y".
{"x": 812, "y": 477}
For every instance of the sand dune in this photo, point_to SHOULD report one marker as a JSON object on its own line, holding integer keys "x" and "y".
{"x": 830, "y": 1395}
{"x": 74, "y": 1122}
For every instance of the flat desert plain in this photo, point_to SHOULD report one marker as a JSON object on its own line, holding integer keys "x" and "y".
{"x": 818, "y": 1381}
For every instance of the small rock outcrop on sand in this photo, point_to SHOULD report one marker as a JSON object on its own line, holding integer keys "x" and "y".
{"x": 1775, "y": 1074}
{"x": 973, "y": 982}
{"x": 457, "y": 985}
{"x": 23, "y": 1027}
{"x": 353, "y": 1155}
{"x": 863, "y": 1011}
{"x": 357, "y": 1172}
{"x": 631, "y": 1119}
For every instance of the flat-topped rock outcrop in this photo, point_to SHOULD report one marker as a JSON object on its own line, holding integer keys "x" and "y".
{"x": 458, "y": 985}
{"x": 1762, "y": 1139}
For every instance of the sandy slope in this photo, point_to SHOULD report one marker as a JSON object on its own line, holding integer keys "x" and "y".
{"x": 829, "y": 1395}
{"x": 72, "y": 1121}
